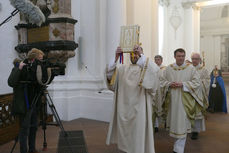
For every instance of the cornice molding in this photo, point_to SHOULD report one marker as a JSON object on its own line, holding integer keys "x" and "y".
{"x": 164, "y": 2}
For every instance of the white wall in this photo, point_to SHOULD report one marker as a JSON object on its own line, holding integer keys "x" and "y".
{"x": 8, "y": 40}
{"x": 77, "y": 94}
{"x": 115, "y": 18}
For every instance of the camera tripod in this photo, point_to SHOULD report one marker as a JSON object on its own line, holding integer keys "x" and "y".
{"x": 48, "y": 101}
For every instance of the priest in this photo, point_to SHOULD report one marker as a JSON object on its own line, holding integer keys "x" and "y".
{"x": 135, "y": 87}
{"x": 182, "y": 98}
{"x": 158, "y": 59}
{"x": 205, "y": 83}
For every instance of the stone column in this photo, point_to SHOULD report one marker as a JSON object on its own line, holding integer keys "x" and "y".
{"x": 186, "y": 34}
{"x": 191, "y": 29}
{"x": 174, "y": 33}
{"x": 81, "y": 93}
{"x": 116, "y": 17}
{"x": 164, "y": 28}
{"x": 145, "y": 14}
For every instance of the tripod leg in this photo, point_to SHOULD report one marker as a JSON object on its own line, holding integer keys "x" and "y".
{"x": 54, "y": 111}
{"x": 45, "y": 142}
{"x": 15, "y": 143}
{"x": 57, "y": 118}
{"x": 44, "y": 125}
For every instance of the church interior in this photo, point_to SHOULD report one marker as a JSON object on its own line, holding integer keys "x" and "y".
{"x": 84, "y": 34}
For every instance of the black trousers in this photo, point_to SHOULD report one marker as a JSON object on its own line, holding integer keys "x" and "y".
{"x": 27, "y": 133}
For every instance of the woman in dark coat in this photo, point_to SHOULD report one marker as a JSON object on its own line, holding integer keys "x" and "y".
{"x": 25, "y": 87}
{"x": 217, "y": 93}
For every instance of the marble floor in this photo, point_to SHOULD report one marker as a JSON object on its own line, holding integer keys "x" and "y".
{"x": 214, "y": 140}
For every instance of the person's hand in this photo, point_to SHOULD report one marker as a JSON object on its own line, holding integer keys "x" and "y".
{"x": 173, "y": 85}
{"x": 176, "y": 85}
{"x": 21, "y": 65}
{"x": 118, "y": 53}
{"x": 179, "y": 85}
{"x": 138, "y": 49}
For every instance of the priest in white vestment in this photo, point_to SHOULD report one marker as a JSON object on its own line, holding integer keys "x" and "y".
{"x": 205, "y": 84}
{"x": 135, "y": 87}
{"x": 182, "y": 98}
{"x": 158, "y": 59}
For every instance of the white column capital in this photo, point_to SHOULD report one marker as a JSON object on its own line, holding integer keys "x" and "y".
{"x": 165, "y": 3}
{"x": 188, "y": 5}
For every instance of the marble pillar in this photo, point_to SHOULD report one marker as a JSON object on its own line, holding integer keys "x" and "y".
{"x": 180, "y": 34}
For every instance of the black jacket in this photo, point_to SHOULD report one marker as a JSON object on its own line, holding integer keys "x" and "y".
{"x": 19, "y": 105}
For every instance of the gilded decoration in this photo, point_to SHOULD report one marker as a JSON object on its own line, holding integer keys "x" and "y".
{"x": 38, "y": 34}
{"x": 144, "y": 71}
{"x": 179, "y": 68}
{"x": 200, "y": 68}
{"x": 129, "y": 37}
{"x": 56, "y": 32}
{"x": 55, "y": 8}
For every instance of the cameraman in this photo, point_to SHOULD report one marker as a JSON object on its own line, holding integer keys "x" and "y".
{"x": 25, "y": 88}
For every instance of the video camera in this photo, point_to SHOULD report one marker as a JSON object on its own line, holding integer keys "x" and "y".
{"x": 42, "y": 71}
{"x": 57, "y": 67}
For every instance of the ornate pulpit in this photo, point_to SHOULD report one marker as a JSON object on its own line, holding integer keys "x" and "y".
{"x": 55, "y": 37}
